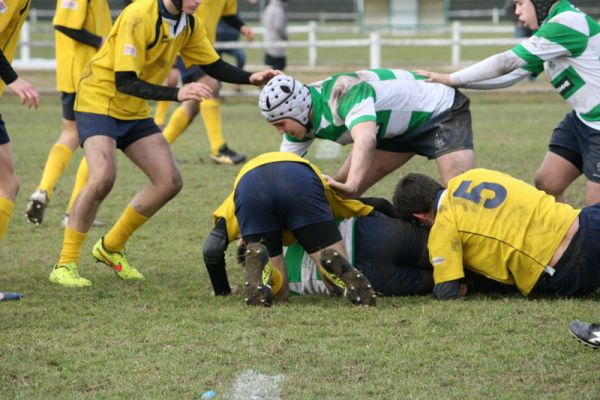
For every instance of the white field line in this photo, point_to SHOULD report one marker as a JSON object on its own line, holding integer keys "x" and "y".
{"x": 251, "y": 385}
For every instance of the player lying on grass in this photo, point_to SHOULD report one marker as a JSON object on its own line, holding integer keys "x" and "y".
{"x": 502, "y": 228}
{"x": 277, "y": 193}
{"x": 112, "y": 112}
{"x": 390, "y": 252}
{"x": 567, "y": 45}
{"x": 389, "y": 115}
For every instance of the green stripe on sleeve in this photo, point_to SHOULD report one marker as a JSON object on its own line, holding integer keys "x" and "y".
{"x": 572, "y": 40}
{"x": 534, "y": 64}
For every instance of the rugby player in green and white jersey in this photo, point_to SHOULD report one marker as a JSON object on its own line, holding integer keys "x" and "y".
{"x": 567, "y": 46}
{"x": 389, "y": 115}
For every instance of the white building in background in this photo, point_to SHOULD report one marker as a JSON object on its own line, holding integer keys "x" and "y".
{"x": 403, "y": 13}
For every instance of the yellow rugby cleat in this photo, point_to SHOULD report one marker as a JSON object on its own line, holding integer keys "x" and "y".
{"x": 117, "y": 261}
{"x": 66, "y": 275}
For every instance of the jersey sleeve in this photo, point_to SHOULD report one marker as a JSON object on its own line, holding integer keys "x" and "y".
{"x": 553, "y": 40}
{"x": 130, "y": 42}
{"x": 357, "y": 105}
{"x": 292, "y": 145}
{"x": 198, "y": 50}
{"x": 70, "y": 13}
{"x": 445, "y": 250}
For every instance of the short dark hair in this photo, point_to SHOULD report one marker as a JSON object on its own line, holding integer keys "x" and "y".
{"x": 415, "y": 193}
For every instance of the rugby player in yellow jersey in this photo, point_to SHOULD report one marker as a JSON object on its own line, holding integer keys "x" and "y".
{"x": 80, "y": 27}
{"x": 12, "y": 16}
{"x": 210, "y": 11}
{"x": 505, "y": 229}
{"x": 266, "y": 204}
{"x": 112, "y": 111}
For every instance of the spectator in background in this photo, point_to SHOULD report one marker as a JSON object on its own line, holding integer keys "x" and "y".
{"x": 274, "y": 19}
{"x": 227, "y": 33}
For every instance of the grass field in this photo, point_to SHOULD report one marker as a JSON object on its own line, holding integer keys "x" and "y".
{"x": 168, "y": 338}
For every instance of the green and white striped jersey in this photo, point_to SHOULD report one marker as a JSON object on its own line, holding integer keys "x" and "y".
{"x": 303, "y": 275}
{"x": 567, "y": 46}
{"x": 398, "y": 101}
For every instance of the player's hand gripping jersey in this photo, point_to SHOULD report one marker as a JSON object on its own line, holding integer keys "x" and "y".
{"x": 398, "y": 101}
{"x": 498, "y": 226}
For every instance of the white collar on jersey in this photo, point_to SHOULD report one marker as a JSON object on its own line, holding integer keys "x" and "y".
{"x": 176, "y": 27}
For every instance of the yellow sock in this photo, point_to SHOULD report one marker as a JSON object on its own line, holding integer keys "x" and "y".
{"x": 276, "y": 281}
{"x": 6, "y": 210}
{"x": 81, "y": 178}
{"x": 177, "y": 124}
{"x": 160, "y": 115}
{"x": 71, "y": 250}
{"x": 58, "y": 159}
{"x": 210, "y": 109}
{"x": 128, "y": 222}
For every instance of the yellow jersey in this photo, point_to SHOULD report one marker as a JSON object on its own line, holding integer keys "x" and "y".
{"x": 71, "y": 55}
{"x": 12, "y": 16}
{"x": 211, "y": 11}
{"x": 497, "y": 226}
{"x": 340, "y": 207}
{"x": 147, "y": 44}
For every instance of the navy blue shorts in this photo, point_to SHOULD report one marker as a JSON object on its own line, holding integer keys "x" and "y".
{"x": 4, "y": 138}
{"x": 448, "y": 132}
{"x": 582, "y": 143}
{"x": 578, "y": 270}
{"x": 280, "y": 195}
{"x": 191, "y": 74}
{"x": 392, "y": 254}
{"x": 68, "y": 102}
{"x": 125, "y": 132}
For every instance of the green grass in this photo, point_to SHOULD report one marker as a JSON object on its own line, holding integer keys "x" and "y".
{"x": 168, "y": 338}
